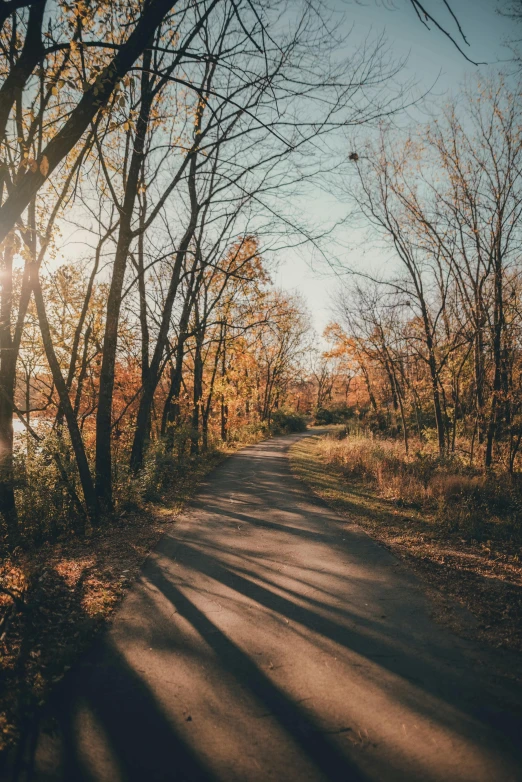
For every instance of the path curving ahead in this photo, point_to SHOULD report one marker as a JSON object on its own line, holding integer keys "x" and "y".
{"x": 269, "y": 639}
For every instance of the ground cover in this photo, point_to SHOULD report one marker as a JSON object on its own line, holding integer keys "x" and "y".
{"x": 55, "y": 598}
{"x": 475, "y": 582}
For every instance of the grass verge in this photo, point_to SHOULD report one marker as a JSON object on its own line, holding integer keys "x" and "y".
{"x": 475, "y": 586}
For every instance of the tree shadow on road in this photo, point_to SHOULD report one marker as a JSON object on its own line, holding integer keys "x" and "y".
{"x": 106, "y": 713}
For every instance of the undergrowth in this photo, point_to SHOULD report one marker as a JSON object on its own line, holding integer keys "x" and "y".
{"x": 463, "y": 500}
{"x": 58, "y": 587}
{"x": 458, "y": 531}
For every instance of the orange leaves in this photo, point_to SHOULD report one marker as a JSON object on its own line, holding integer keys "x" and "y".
{"x": 30, "y": 164}
{"x": 44, "y": 166}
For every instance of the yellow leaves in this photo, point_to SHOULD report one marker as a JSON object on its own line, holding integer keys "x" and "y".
{"x": 17, "y": 242}
{"x": 44, "y": 166}
{"x": 11, "y": 244}
{"x": 80, "y": 10}
{"x": 26, "y": 254}
{"x": 129, "y": 81}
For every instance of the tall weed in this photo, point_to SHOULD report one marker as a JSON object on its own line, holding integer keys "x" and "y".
{"x": 462, "y": 500}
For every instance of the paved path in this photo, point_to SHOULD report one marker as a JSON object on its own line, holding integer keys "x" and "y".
{"x": 268, "y": 639}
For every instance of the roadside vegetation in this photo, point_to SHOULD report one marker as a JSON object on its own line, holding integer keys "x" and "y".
{"x": 423, "y": 363}
{"x": 463, "y": 500}
{"x": 154, "y": 159}
{"x": 459, "y": 530}
{"x": 58, "y": 592}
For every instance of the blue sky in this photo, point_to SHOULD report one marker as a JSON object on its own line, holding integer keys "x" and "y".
{"x": 432, "y": 60}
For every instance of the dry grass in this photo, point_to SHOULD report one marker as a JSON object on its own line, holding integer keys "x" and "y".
{"x": 459, "y": 532}
{"x": 464, "y": 501}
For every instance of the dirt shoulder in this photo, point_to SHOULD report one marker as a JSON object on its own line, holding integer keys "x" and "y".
{"x": 64, "y": 594}
{"x": 475, "y": 588}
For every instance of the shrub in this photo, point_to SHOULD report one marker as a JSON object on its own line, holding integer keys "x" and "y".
{"x": 465, "y": 500}
{"x": 323, "y": 416}
{"x": 47, "y": 490}
{"x": 248, "y": 433}
{"x": 284, "y": 422}
{"x": 332, "y": 415}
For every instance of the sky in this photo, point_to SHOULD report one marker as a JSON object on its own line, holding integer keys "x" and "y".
{"x": 434, "y": 62}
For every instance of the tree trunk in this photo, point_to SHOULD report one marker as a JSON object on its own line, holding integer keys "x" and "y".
{"x": 110, "y": 342}
{"x": 479, "y": 380}
{"x": 498, "y": 333}
{"x": 171, "y": 409}
{"x": 153, "y": 375}
{"x": 439, "y": 420}
{"x": 7, "y": 386}
{"x": 205, "y": 414}
{"x": 371, "y": 396}
{"x": 20, "y": 72}
{"x": 432, "y": 363}
{"x": 224, "y": 406}
{"x": 65, "y": 402}
{"x": 143, "y": 295}
{"x": 224, "y": 419}
{"x": 198, "y": 393}
{"x": 82, "y": 115}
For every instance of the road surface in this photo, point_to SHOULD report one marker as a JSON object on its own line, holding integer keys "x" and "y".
{"x": 269, "y": 639}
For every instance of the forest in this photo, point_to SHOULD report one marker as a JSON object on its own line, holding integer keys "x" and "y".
{"x": 155, "y": 156}
{"x": 423, "y": 365}
{"x": 442, "y": 333}
{"x": 139, "y": 173}
{"x": 427, "y": 348}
